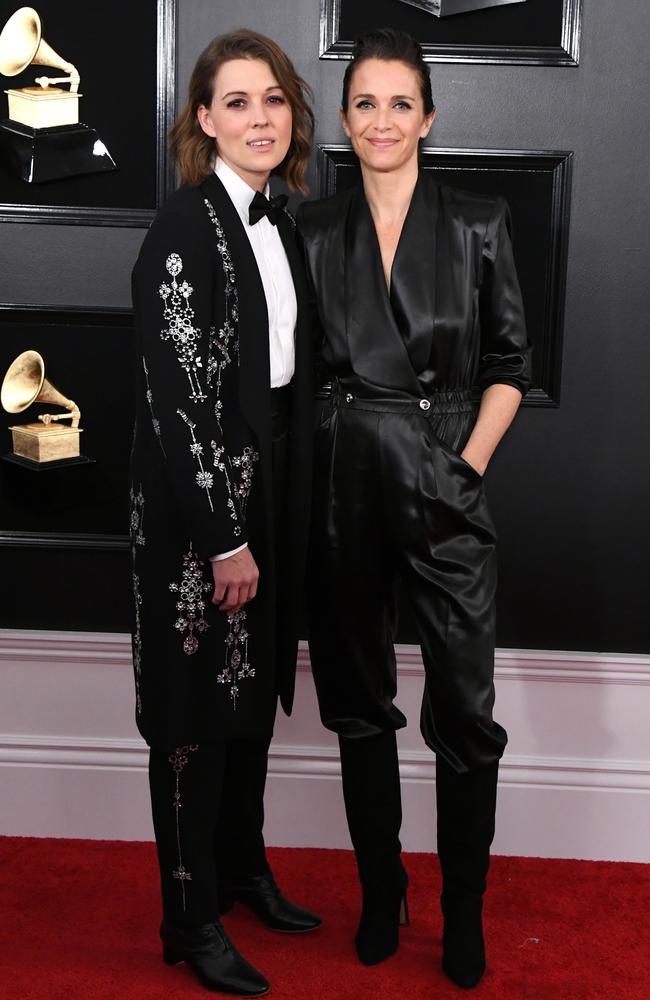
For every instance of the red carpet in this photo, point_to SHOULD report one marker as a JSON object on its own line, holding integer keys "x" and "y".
{"x": 79, "y": 922}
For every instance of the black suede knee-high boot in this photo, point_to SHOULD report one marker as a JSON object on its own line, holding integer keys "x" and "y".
{"x": 373, "y": 806}
{"x": 466, "y": 811}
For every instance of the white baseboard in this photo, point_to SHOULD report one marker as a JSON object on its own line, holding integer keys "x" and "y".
{"x": 589, "y": 798}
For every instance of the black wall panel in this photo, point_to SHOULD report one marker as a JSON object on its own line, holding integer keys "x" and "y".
{"x": 569, "y": 487}
{"x": 64, "y": 530}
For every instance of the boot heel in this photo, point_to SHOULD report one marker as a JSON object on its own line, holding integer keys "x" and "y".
{"x": 171, "y": 957}
{"x": 404, "y": 911}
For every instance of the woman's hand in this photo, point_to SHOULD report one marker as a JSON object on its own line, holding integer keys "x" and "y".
{"x": 478, "y": 466}
{"x": 235, "y": 581}
{"x": 498, "y": 406}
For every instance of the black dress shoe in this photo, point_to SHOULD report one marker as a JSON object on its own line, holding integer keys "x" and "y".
{"x": 261, "y": 894}
{"x": 209, "y": 953}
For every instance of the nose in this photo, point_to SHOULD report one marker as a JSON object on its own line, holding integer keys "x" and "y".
{"x": 259, "y": 114}
{"x": 382, "y": 121}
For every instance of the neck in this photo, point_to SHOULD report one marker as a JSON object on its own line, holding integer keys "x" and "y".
{"x": 255, "y": 180}
{"x": 389, "y": 194}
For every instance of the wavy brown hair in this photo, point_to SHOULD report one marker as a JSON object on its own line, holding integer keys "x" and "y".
{"x": 194, "y": 151}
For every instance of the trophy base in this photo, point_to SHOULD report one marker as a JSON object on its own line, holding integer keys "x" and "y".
{"x": 51, "y": 154}
{"x": 45, "y": 442}
{"x": 43, "y": 107}
{"x": 57, "y": 463}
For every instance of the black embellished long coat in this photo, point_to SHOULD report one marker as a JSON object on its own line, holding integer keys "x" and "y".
{"x": 202, "y": 478}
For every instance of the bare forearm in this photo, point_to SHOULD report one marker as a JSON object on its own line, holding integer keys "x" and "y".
{"x": 499, "y": 404}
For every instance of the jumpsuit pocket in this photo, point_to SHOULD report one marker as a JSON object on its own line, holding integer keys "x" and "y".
{"x": 468, "y": 473}
{"x": 323, "y": 410}
{"x": 469, "y": 468}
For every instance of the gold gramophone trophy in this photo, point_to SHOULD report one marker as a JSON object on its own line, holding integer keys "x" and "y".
{"x": 45, "y": 440}
{"x": 43, "y": 137}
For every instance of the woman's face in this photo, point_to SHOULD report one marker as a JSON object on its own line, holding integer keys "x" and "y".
{"x": 385, "y": 118}
{"x": 249, "y": 118}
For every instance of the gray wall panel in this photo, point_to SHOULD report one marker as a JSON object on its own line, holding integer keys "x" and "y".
{"x": 67, "y": 265}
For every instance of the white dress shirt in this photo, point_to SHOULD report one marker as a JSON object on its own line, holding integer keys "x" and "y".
{"x": 277, "y": 282}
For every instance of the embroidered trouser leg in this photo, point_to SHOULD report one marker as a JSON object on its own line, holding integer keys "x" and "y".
{"x": 186, "y": 787}
{"x": 394, "y": 500}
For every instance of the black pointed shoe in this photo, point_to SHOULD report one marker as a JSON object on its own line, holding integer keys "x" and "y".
{"x": 209, "y": 952}
{"x": 261, "y": 894}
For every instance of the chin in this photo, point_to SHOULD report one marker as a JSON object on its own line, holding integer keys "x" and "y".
{"x": 383, "y": 165}
{"x": 263, "y": 162}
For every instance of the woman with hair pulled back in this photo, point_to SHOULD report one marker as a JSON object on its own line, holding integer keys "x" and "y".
{"x": 424, "y": 338}
{"x": 221, "y": 480}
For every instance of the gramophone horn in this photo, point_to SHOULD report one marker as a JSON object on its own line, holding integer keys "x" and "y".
{"x": 25, "y": 383}
{"x": 21, "y": 44}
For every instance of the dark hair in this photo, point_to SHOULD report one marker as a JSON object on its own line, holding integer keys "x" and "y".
{"x": 388, "y": 43}
{"x": 194, "y": 151}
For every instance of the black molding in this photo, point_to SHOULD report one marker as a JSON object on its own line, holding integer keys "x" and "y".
{"x": 566, "y": 54}
{"x": 30, "y": 312}
{"x": 165, "y": 171}
{"x": 51, "y": 540}
{"x": 545, "y": 391}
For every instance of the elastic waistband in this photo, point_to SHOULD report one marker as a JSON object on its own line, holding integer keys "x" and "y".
{"x": 361, "y": 396}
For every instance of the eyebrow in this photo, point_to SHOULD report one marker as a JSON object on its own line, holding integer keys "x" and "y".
{"x": 395, "y": 97}
{"x": 233, "y": 93}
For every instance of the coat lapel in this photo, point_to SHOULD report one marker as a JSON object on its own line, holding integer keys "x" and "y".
{"x": 377, "y": 349}
{"x": 413, "y": 278}
{"x": 287, "y": 231}
{"x": 254, "y": 383}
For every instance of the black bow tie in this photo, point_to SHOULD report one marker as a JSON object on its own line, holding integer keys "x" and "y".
{"x": 261, "y": 206}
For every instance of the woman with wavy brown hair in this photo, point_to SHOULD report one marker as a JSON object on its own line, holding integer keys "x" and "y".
{"x": 220, "y": 495}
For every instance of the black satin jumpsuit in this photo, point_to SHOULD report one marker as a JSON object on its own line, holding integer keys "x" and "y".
{"x": 393, "y": 498}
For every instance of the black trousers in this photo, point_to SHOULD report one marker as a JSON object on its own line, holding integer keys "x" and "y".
{"x": 208, "y": 801}
{"x": 393, "y": 501}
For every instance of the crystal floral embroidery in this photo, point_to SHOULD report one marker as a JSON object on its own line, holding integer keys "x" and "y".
{"x": 289, "y": 217}
{"x": 178, "y": 760}
{"x": 236, "y": 667}
{"x": 191, "y": 604}
{"x": 179, "y": 315}
{"x": 137, "y": 517}
{"x": 219, "y": 357}
{"x": 245, "y": 462}
{"x": 137, "y": 538}
{"x": 224, "y": 342}
{"x": 221, "y": 462}
{"x": 149, "y": 395}
{"x": 204, "y": 479}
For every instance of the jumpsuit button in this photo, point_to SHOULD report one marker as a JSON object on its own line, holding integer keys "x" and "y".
{"x": 349, "y": 397}
{"x": 425, "y": 404}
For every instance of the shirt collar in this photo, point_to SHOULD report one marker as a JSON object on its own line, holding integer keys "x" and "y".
{"x": 239, "y": 192}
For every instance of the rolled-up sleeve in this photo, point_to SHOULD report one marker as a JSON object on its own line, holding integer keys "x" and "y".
{"x": 505, "y": 355}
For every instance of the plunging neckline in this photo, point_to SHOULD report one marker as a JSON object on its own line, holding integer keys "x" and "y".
{"x": 389, "y": 331}
{"x": 388, "y": 284}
